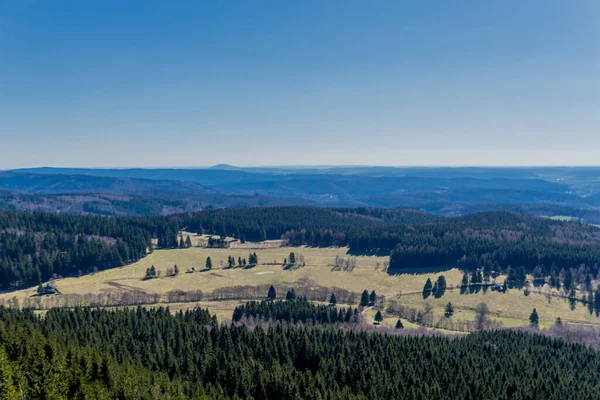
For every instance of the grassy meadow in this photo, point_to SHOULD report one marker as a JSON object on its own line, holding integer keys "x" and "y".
{"x": 511, "y": 308}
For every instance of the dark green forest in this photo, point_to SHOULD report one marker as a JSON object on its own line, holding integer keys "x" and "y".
{"x": 35, "y": 247}
{"x": 145, "y": 354}
{"x": 299, "y": 310}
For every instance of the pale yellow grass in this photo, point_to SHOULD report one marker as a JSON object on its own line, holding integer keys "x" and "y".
{"x": 318, "y": 269}
{"x": 512, "y": 308}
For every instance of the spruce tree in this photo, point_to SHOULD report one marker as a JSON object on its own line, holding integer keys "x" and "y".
{"x": 364, "y": 298}
{"x": 534, "y": 319}
{"x": 449, "y": 312}
{"x": 208, "y": 264}
{"x": 176, "y": 270}
{"x": 271, "y": 295}
{"x": 440, "y": 287}
{"x": 399, "y": 325}
{"x": 427, "y": 288}
{"x": 188, "y": 241}
{"x": 372, "y": 298}
{"x": 332, "y": 299}
{"x": 378, "y": 317}
{"x": 572, "y": 298}
{"x": 291, "y": 294}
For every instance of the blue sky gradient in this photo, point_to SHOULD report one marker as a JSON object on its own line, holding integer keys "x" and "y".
{"x": 109, "y": 84}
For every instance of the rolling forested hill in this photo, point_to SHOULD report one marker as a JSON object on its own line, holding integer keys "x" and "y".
{"x": 555, "y": 191}
{"x": 37, "y": 246}
{"x": 150, "y": 354}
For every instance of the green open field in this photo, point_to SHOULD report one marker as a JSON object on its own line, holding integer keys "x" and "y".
{"x": 512, "y": 308}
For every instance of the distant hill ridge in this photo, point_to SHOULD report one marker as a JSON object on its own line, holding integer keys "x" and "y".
{"x": 551, "y": 191}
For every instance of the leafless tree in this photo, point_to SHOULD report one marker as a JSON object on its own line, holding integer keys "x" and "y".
{"x": 481, "y": 316}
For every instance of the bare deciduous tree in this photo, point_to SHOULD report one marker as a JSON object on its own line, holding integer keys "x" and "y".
{"x": 481, "y": 316}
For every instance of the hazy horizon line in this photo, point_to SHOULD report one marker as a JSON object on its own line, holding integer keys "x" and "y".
{"x": 304, "y": 166}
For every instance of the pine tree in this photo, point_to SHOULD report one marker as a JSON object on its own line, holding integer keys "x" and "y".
{"x": 8, "y": 389}
{"x": 291, "y": 294}
{"x": 558, "y": 322}
{"x": 534, "y": 319}
{"x": 188, "y": 241}
{"x": 399, "y": 324}
{"x": 378, "y": 317}
{"x": 372, "y": 298}
{"x": 440, "y": 287}
{"x": 332, "y": 299}
{"x": 427, "y": 288}
{"x": 176, "y": 270}
{"x": 181, "y": 242}
{"x": 588, "y": 282}
{"x": 230, "y": 261}
{"x": 208, "y": 264}
{"x": 292, "y": 258}
{"x": 364, "y": 298}
{"x": 449, "y": 312}
{"x": 572, "y": 299}
{"x": 271, "y": 295}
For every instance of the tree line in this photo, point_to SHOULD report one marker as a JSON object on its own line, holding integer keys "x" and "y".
{"x": 151, "y": 353}
{"x": 296, "y": 309}
{"x": 39, "y": 246}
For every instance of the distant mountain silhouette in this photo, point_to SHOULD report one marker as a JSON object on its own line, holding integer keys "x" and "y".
{"x": 446, "y": 191}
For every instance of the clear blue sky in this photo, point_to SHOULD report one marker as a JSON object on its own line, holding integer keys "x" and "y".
{"x": 175, "y": 83}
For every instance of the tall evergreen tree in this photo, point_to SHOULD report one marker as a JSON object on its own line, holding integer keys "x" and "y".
{"x": 272, "y": 295}
{"x": 427, "y": 288}
{"x": 534, "y": 319}
{"x": 364, "y": 298}
{"x": 449, "y": 311}
{"x": 372, "y": 298}
{"x": 291, "y": 294}
{"x": 332, "y": 299}
{"x": 572, "y": 298}
{"x": 208, "y": 264}
{"x": 378, "y": 317}
{"x": 440, "y": 286}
